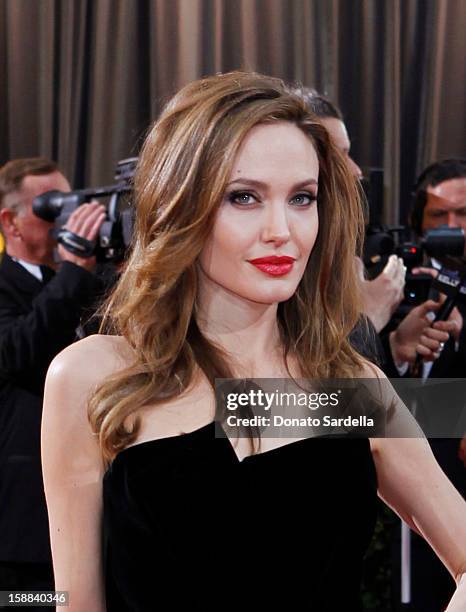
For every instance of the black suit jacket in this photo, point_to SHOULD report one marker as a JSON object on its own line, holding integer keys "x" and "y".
{"x": 37, "y": 321}
{"x": 448, "y": 406}
{"x": 445, "y": 404}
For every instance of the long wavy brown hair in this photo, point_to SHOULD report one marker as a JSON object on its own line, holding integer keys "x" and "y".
{"x": 181, "y": 179}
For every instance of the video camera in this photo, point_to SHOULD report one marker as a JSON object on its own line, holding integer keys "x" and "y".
{"x": 444, "y": 244}
{"x": 116, "y": 231}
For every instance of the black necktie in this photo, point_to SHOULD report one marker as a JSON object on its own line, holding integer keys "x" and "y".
{"x": 47, "y": 274}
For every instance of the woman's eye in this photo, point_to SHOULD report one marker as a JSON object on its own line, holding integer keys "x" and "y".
{"x": 242, "y": 197}
{"x": 304, "y": 199}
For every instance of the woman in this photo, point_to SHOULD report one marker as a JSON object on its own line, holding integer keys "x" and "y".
{"x": 234, "y": 171}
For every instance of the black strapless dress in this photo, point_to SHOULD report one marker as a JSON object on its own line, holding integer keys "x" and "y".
{"x": 187, "y": 526}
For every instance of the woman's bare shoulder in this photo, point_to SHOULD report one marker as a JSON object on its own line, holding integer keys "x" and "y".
{"x": 370, "y": 370}
{"x": 92, "y": 358}
{"x": 72, "y": 378}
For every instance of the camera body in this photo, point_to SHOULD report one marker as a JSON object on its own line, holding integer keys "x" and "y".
{"x": 444, "y": 244}
{"x": 116, "y": 231}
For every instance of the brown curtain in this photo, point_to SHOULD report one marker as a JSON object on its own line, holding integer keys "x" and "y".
{"x": 81, "y": 80}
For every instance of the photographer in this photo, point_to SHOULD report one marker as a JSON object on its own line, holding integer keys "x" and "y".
{"x": 439, "y": 199}
{"x": 383, "y": 294}
{"x": 42, "y": 304}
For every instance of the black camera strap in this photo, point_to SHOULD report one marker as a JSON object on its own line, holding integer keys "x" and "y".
{"x": 76, "y": 244}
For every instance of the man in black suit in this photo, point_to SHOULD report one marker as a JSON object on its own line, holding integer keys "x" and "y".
{"x": 41, "y": 307}
{"x": 439, "y": 199}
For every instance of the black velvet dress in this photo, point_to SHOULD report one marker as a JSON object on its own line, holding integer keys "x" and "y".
{"x": 188, "y": 526}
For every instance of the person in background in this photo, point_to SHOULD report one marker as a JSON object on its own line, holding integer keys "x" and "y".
{"x": 439, "y": 198}
{"x": 42, "y": 303}
{"x": 383, "y": 294}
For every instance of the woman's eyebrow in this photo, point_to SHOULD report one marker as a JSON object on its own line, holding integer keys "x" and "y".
{"x": 255, "y": 183}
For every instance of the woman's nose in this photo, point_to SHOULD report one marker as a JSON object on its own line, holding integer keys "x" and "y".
{"x": 276, "y": 225}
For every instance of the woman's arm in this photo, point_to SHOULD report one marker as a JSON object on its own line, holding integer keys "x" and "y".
{"x": 73, "y": 472}
{"x": 412, "y": 483}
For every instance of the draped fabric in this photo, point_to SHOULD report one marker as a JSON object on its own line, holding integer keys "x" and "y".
{"x": 81, "y": 80}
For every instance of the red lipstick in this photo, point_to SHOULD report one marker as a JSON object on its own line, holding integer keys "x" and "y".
{"x": 274, "y": 265}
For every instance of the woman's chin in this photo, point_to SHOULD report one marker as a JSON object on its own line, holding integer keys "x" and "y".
{"x": 271, "y": 297}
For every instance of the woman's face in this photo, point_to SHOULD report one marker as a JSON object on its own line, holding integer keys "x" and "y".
{"x": 269, "y": 210}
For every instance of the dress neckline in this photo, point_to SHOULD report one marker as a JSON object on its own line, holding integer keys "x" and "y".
{"x": 201, "y": 432}
{"x": 183, "y": 436}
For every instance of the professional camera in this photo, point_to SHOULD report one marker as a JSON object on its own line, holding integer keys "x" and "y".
{"x": 444, "y": 244}
{"x": 115, "y": 233}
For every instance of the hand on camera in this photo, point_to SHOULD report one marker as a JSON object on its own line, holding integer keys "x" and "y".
{"x": 455, "y": 315}
{"x": 85, "y": 222}
{"x": 383, "y": 294}
{"x": 416, "y": 334}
